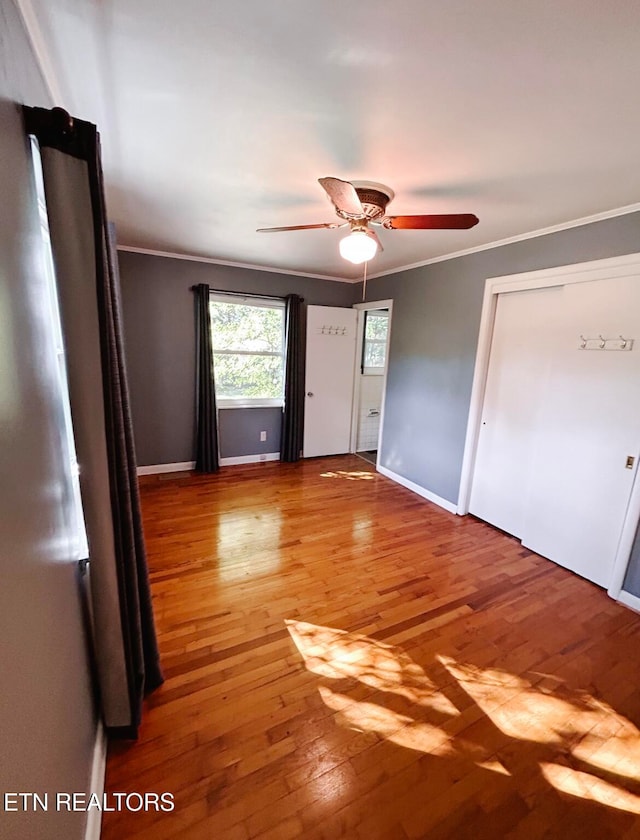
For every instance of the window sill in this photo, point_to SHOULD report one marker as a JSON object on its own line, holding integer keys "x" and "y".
{"x": 224, "y": 404}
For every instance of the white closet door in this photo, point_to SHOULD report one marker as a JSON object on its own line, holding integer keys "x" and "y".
{"x": 589, "y": 424}
{"x": 521, "y": 350}
{"x": 330, "y": 369}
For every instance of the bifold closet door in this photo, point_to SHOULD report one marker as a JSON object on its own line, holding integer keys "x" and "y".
{"x": 524, "y": 336}
{"x": 587, "y": 428}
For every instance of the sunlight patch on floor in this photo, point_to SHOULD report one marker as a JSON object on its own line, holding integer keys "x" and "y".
{"x": 543, "y": 712}
{"x": 494, "y": 766}
{"x": 593, "y": 730}
{"x": 353, "y": 475}
{"x": 337, "y": 654}
{"x": 621, "y": 754}
{"x": 587, "y": 786}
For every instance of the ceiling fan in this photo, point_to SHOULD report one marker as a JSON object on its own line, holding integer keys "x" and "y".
{"x": 362, "y": 203}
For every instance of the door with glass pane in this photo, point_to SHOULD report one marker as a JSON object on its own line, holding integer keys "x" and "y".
{"x": 370, "y": 381}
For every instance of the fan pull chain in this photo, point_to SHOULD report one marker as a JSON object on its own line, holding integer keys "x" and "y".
{"x": 364, "y": 282}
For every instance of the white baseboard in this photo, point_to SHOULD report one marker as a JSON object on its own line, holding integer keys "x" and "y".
{"x": 629, "y": 600}
{"x": 93, "y": 827}
{"x": 185, "y": 466}
{"x": 154, "y": 469}
{"x": 416, "y": 488}
{"x": 250, "y": 459}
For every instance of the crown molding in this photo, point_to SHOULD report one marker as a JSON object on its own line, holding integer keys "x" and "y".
{"x": 521, "y": 237}
{"x": 192, "y": 258}
{"x": 41, "y": 51}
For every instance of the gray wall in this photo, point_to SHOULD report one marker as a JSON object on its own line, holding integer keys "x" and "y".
{"x": 434, "y": 333}
{"x": 632, "y": 579}
{"x": 239, "y": 431}
{"x": 160, "y": 348}
{"x": 47, "y": 724}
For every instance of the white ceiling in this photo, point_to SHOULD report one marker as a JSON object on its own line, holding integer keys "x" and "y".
{"x": 219, "y": 117}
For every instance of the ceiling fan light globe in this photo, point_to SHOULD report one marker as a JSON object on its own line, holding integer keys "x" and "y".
{"x": 358, "y": 247}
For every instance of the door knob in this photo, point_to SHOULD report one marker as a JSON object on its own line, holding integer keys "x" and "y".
{"x": 309, "y": 393}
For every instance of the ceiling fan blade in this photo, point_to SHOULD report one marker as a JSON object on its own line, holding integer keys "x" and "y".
{"x": 329, "y": 225}
{"x": 343, "y": 196}
{"x": 449, "y": 221}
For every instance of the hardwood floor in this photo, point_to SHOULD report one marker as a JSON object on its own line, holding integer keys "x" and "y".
{"x": 345, "y": 659}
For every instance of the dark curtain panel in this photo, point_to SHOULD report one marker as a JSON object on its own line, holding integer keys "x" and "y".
{"x": 123, "y": 632}
{"x": 207, "y": 460}
{"x": 293, "y": 411}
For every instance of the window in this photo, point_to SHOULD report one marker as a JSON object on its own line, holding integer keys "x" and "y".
{"x": 248, "y": 351}
{"x": 374, "y": 349}
{"x": 79, "y": 546}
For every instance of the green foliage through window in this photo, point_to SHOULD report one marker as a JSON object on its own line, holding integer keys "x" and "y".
{"x": 248, "y": 350}
{"x": 375, "y": 339}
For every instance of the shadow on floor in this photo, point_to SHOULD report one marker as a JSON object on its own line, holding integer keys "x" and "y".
{"x": 370, "y": 455}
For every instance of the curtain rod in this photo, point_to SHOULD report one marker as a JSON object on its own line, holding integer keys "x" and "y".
{"x": 38, "y": 120}
{"x": 243, "y": 294}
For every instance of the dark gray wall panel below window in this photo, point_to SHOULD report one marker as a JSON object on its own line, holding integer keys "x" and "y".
{"x": 239, "y": 431}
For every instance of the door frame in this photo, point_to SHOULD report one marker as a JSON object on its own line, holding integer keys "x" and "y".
{"x": 361, "y": 309}
{"x": 623, "y": 266}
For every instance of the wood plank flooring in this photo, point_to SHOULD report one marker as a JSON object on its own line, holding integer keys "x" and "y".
{"x": 346, "y": 660}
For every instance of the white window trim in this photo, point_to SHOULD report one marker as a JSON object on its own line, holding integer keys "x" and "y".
{"x": 248, "y": 402}
{"x": 232, "y": 297}
{"x": 251, "y": 402}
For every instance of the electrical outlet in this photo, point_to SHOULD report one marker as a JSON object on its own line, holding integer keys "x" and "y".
{"x": 263, "y": 436}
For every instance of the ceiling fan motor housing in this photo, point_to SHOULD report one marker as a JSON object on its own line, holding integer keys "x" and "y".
{"x": 373, "y": 197}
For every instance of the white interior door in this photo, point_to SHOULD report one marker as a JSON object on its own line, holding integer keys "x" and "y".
{"x": 588, "y": 426}
{"x": 521, "y": 351}
{"x": 330, "y": 368}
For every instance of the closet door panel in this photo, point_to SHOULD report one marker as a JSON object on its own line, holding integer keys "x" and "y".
{"x": 587, "y": 427}
{"x": 523, "y": 344}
